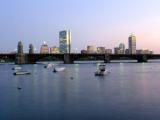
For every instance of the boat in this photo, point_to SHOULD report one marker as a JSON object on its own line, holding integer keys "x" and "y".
{"x": 2, "y": 61}
{"x": 17, "y": 68}
{"x": 21, "y": 73}
{"x": 59, "y": 69}
{"x": 101, "y": 70}
{"x": 49, "y": 65}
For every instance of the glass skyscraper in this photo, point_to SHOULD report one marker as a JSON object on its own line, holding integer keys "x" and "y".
{"x": 65, "y": 41}
{"x": 132, "y": 44}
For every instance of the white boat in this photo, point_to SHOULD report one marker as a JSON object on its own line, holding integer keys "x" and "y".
{"x": 17, "y": 68}
{"x": 21, "y": 73}
{"x": 59, "y": 69}
{"x": 101, "y": 71}
{"x": 2, "y": 61}
{"x": 49, "y": 65}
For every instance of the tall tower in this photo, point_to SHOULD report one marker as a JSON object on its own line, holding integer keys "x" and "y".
{"x": 20, "y": 47}
{"x": 65, "y": 41}
{"x": 20, "y": 57}
{"x": 132, "y": 44}
{"x": 31, "y": 49}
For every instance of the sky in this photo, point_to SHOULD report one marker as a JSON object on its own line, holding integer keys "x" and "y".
{"x": 92, "y": 22}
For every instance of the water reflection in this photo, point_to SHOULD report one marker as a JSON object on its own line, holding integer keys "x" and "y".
{"x": 129, "y": 91}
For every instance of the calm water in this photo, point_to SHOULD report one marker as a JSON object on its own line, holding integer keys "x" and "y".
{"x": 130, "y": 92}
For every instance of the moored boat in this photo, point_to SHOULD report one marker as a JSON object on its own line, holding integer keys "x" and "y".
{"x": 17, "y": 68}
{"x": 21, "y": 73}
{"x": 101, "y": 71}
{"x": 49, "y": 65}
{"x": 59, "y": 69}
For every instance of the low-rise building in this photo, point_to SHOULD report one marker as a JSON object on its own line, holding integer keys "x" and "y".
{"x": 83, "y": 51}
{"x": 101, "y": 50}
{"x": 127, "y": 51}
{"x": 91, "y": 49}
{"x": 116, "y": 50}
{"x": 54, "y": 50}
{"x": 108, "y": 51}
{"x": 44, "y": 49}
{"x": 144, "y": 52}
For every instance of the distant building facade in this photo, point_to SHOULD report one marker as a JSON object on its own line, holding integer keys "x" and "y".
{"x": 83, "y": 51}
{"x": 44, "y": 49}
{"x": 65, "y": 41}
{"x": 101, "y": 50}
{"x": 121, "y": 48}
{"x": 91, "y": 49}
{"x": 144, "y": 52}
{"x": 127, "y": 51}
{"x": 54, "y": 50}
{"x": 116, "y": 50}
{"x": 108, "y": 51}
{"x": 132, "y": 44}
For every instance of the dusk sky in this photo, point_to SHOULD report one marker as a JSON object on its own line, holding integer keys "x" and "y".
{"x": 92, "y": 22}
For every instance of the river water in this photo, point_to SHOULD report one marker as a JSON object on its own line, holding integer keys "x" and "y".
{"x": 130, "y": 92}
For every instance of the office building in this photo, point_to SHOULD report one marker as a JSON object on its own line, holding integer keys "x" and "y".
{"x": 127, "y": 51}
{"x": 116, "y": 50}
{"x": 83, "y": 51}
{"x": 132, "y": 44}
{"x": 91, "y": 49}
{"x": 144, "y": 51}
{"x": 121, "y": 48}
{"x": 65, "y": 41}
{"x": 108, "y": 51}
{"x": 54, "y": 50}
{"x": 44, "y": 49}
{"x": 101, "y": 50}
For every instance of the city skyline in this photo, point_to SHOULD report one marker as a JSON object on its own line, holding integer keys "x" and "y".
{"x": 65, "y": 44}
{"x": 65, "y": 47}
{"x": 97, "y": 23}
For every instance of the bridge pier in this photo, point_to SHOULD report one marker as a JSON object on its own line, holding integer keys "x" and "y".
{"x": 20, "y": 59}
{"x": 107, "y": 58}
{"x": 142, "y": 59}
{"x": 25, "y": 59}
{"x": 30, "y": 59}
{"x": 68, "y": 59}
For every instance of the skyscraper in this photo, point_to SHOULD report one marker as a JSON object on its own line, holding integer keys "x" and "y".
{"x": 65, "y": 41}
{"x": 122, "y": 48}
{"x": 132, "y": 44}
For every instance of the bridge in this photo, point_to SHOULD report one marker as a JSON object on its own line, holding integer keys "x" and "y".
{"x": 70, "y": 58}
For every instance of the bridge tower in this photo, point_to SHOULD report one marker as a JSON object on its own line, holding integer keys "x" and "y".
{"x": 20, "y": 57}
{"x": 30, "y": 58}
{"x": 31, "y": 49}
